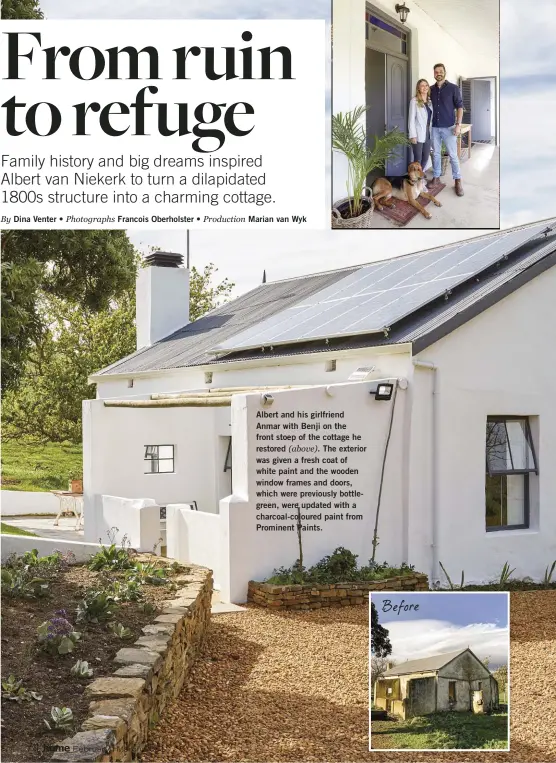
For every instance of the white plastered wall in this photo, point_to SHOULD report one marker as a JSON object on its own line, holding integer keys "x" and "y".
{"x": 268, "y": 371}
{"x": 114, "y": 440}
{"x": 500, "y": 363}
{"x": 254, "y": 554}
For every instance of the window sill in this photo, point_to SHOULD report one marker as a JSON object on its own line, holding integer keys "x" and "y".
{"x": 511, "y": 533}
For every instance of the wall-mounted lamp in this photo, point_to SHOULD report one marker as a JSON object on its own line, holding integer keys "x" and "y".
{"x": 403, "y": 10}
{"x": 383, "y": 391}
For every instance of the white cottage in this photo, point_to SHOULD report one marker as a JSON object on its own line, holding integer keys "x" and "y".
{"x": 408, "y": 403}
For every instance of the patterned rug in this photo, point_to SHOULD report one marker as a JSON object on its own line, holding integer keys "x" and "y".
{"x": 403, "y": 212}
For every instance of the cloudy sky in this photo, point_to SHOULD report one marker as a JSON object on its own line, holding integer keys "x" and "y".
{"x": 528, "y": 143}
{"x": 446, "y": 622}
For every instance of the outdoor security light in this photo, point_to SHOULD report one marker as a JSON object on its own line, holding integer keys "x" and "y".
{"x": 403, "y": 10}
{"x": 384, "y": 392}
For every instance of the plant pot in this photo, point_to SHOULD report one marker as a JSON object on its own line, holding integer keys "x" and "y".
{"x": 341, "y": 208}
{"x": 76, "y": 486}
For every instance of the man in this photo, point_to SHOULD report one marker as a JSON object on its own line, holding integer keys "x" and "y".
{"x": 446, "y": 123}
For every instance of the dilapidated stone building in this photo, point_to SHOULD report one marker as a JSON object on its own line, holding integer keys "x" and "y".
{"x": 453, "y": 681}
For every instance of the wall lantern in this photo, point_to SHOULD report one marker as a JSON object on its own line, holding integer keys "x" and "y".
{"x": 403, "y": 10}
{"x": 383, "y": 392}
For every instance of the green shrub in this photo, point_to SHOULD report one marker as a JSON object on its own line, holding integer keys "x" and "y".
{"x": 338, "y": 567}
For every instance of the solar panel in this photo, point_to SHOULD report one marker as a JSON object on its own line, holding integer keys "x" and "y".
{"x": 371, "y": 299}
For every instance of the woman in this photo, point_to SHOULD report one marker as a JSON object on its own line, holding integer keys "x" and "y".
{"x": 420, "y": 120}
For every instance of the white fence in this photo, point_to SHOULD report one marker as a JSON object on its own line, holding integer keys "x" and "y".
{"x": 110, "y": 518}
{"x": 18, "y": 502}
{"x": 195, "y": 536}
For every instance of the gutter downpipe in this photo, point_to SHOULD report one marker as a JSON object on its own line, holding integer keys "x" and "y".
{"x": 428, "y": 365}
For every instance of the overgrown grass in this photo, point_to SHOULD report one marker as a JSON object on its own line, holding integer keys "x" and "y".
{"x": 33, "y": 467}
{"x": 9, "y": 530}
{"x": 442, "y": 731}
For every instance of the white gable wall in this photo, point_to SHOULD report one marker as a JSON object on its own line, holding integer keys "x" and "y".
{"x": 502, "y": 362}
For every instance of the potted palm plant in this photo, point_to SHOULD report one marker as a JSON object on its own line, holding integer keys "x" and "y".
{"x": 349, "y": 138}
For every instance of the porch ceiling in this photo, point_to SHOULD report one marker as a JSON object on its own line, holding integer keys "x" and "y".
{"x": 474, "y": 24}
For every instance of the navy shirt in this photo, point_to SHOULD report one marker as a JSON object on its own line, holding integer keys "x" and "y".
{"x": 445, "y": 101}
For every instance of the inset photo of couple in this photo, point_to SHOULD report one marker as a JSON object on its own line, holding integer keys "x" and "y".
{"x": 415, "y": 114}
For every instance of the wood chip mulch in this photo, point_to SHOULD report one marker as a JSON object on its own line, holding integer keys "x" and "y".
{"x": 294, "y": 687}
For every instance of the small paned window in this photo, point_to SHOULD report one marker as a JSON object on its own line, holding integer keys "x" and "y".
{"x": 451, "y": 691}
{"x": 159, "y": 459}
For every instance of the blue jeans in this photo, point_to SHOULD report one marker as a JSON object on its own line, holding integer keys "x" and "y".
{"x": 445, "y": 134}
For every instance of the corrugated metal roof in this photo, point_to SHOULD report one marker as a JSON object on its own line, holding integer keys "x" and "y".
{"x": 190, "y": 345}
{"x": 424, "y": 665}
{"x": 195, "y": 343}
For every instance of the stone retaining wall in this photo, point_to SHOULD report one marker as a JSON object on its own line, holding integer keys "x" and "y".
{"x": 147, "y": 675}
{"x": 311, "y": 596}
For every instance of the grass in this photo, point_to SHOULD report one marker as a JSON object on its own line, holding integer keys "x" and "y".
{"x": 10, "y": 530}
{"x": 37, "y": 468}
{"x": 442, "y": 731}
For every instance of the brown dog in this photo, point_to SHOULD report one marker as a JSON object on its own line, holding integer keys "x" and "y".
{"x": 407, "y": 188}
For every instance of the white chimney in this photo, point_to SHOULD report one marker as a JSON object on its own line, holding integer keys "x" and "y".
{"x": 162, "y": 297}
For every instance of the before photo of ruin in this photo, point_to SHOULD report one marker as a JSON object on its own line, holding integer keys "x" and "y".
{"x": 439, "y": 671}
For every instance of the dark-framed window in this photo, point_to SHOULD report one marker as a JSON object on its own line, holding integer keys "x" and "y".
{"x": 228, "y": 459}
{"x": 159, "y": 459}
{"x": 510, "y": 460}
{"x": 451, "y": 691}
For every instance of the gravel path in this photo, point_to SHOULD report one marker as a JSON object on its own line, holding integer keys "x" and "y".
{"x": 293, "y": 687}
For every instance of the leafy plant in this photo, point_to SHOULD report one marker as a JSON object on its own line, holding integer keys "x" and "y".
{"x": 81, "y": 669}
{"x": 18, "y": 583}
{"x": 61, "y": 719}
{"x": 147, "y": 572}
{"x": 451, "y": 585}
{"x": 57, "y": 636}
{"x": 125, "y": 590}
{"x": 112, "y": 557}
{"x": 350, "y": 139}
{"x": 505, "y": 575}
{"x": 14, "y": 690}
{"x": 338, "y": 567}
{"x": 121, "y": 632}
{"x": 147, "y": 608}
{"x": 547, "y": 580}
{"x": 96, "y": 607}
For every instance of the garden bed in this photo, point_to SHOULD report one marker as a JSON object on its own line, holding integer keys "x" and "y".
{"x": 47, "y": 673}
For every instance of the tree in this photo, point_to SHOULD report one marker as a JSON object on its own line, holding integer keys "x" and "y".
{"x": 21, "y": 9}
{"x": 380, "y": 642}
{"x": 72, "y": 344}
{"x": 501, "y": 676}
{"x": 85, "y": 268}
{"x": 379, "y": 666}
{"x": 203, "y": 295}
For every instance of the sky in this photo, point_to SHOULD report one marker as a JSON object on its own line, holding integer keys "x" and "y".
{"x": 528, "y": 144}
{"x": 446, "y": 622}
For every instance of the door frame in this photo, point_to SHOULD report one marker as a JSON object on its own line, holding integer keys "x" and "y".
{"x": 370, "y": 8}
{"x": 495, "y": 78}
